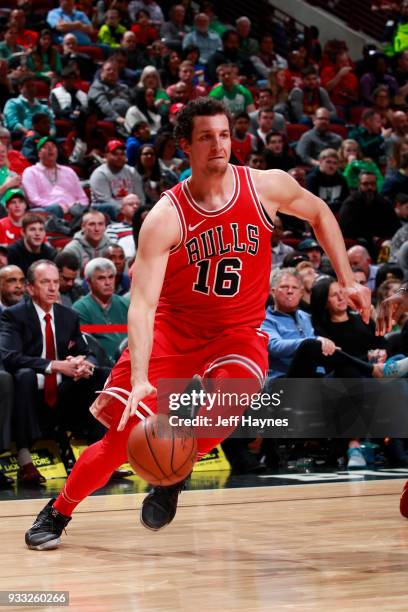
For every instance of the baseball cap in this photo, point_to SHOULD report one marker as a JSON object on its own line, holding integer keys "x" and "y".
{"x": 176, "y": 108}
{"x": 114, "y": 144}
{"x": 308, "y": 244}
{"x": 10, "y": 193}
{"x": 45, "y": 139}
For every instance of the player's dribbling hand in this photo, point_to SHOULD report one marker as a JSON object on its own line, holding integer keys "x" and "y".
{"x": 390, "y": 310}
{"x": 139, "y": 392}
{"x": 359, "y": 299}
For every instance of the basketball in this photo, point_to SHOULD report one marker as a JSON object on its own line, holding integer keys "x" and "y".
{"x": 160, "y": 453}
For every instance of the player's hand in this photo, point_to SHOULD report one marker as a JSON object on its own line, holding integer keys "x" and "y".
{"x": 328, "y": 346}
{"x": 390, "y": 311}
{"x": 359, "y": 299}
{"x": 139, "y": 391}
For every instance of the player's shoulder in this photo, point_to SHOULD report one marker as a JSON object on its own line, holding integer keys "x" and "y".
{"x": 162, "y": 223}
{"x": 271, "y": 178}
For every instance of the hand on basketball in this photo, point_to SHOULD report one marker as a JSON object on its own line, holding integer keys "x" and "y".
{"x": 390, "y": 310}
{"x": 359, "y": 299}
{"x": 139, "y": 391}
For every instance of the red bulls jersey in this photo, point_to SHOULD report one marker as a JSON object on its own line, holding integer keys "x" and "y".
{"x": 217, "y": 277}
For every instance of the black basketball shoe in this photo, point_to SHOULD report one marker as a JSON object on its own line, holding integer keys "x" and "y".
{"x": 47, "y": 528}
{"x": 160, "y": 506}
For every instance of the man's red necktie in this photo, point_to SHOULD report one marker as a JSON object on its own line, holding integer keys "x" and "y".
{"x": 50, "y": 383}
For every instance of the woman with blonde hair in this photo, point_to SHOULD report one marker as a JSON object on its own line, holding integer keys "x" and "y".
{"x": 353, "y": 164}
{"x": 150, "y": 79}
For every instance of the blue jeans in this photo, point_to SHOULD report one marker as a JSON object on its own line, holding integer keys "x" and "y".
{"x": 52, "y": 209}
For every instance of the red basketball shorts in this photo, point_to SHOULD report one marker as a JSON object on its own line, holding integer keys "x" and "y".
{"x": 178, "y": 356}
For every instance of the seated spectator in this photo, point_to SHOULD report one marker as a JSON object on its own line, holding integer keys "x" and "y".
{"x": 377, "y": 74}
{"x": 151, "y": 7}
{"x": 137, "y": 56}
{"x": 17, "y": 163}
{"x": 399, "y": 132}
{"x": 31, "y": 246}
{"x": 111, "y": 32}
{"x": 360, "y": 258}
{"x": 398, "y": 182}
{"x": 179, "y": 93}
{"x": 236, "y": 98}
{"x": 312, "y": 249}
{"x": 166, "y": 150}
{"x": 67, "y": 101}
{"x": 126, "y": 76}
{"x": 297, "y": 63}
{"x": 42, "y": 398}
{"x": 294, "y": 348}
{"x": 9, "y": 47}
{"x": 18, "y": 112}
{"x": 365, "y": 214}
{"x": 382, "y": 105}
{"x": 243, "y": 143}
{"x": 121, "y": 232}
{"x": 247, "y": 44}
{"x": 26, "y": 38}
{"x": 144, "y": 109}
{"x": 110, "y": 98}
{"x": 314, "y": 141}
{"x": 70, "y": 289}
{"x": 394, "y": 161}
{"x": 143, "y": 29}
{"x": 306, "y": 102}
{"x": 8, "y": 178}
{"x": 114, "y": 179}
{"x": 154, "y": 180}
{"x": 352, "y": 164}
{"x": 401, "y": 235}
{"x": 401, "y": 207}
{"x": 150, "y": 79}
{"x": 116, "y": 255}
{"x": 12, "y": 286}
{"x": 257, "y": 161}
{"x": 85, "y": 143}
{"x": 102, "y": 305}
{"x": 268, "y": 121}
{"x": 278, "y": 153}
{"x": 71, "y": 55}
{"x": 186, "y": 75}
{"x": 140, "y": 134}
{"x": 91, "y": 240}
{"x": 215, "y": 24}
{"x": 173, "y": 31}
{"x": 279, "y": 248}
{"x": 50, "y": 186}
{"x": 66, "y": 19}
{"x": 279, "y": 90}
{"x": 170, "y": 71}
{"x": 41, "y": 129}
{"x": 207, "y": 42}
{"x": 400, "y": 72}
{"x": 266, "y": 60}
{"x": 327, "y": 182}
{"x": 10, "y": 226}
{"x": 340, "y": 81}
{"x": 45, "y": 61}
{"x": 265, "y": 102}
{"x": 368, "y": 136}
{"x": 230, "y": 54}
{"x": 308, "y": 276}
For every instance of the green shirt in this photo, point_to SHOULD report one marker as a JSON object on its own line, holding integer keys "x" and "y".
{"x": 235, "y": 100}
{"x": 91, "y": 313}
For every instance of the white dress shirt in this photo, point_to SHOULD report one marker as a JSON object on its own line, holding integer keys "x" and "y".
{"x": 41, "y": 314}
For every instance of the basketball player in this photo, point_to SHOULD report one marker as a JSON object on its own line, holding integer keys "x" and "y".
{"x": 200, "y": 284}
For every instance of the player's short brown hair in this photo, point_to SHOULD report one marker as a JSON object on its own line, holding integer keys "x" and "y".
{"x": 200, "y": 107}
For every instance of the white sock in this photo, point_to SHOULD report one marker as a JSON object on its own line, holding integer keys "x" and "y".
{"x": 24, "y": 457}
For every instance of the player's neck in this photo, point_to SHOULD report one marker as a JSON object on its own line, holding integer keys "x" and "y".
{"x": 212, "y": 190}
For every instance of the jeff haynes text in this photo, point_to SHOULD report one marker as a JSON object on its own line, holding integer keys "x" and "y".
{"x": 231, "y": 421}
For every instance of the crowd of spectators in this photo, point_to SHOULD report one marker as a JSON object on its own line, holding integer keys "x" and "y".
{"x": 89, "y": 93}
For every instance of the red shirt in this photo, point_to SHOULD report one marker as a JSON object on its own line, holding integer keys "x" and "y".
{"x": 17, "y": 162}
{"x": 145, "y": 36}
{"x": 9, "y": 232}
{"x": 217, "y": 277}
{"x": 337, "y": 94}
{"x": 27, "y": 38}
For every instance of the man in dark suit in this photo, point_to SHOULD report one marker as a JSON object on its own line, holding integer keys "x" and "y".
{"x": 55, "y": 376}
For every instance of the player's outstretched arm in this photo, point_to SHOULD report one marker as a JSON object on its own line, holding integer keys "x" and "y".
{"x": 160, "y": 231}
{"x": 280, "y": 192}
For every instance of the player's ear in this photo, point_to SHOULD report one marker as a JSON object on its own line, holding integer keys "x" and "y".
{"x": 185, "y": 145}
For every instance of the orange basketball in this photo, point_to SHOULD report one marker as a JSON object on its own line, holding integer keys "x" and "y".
{"x": 160, "y": 453}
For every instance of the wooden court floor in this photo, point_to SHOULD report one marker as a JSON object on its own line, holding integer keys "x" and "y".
{"x": 322, "y": 547}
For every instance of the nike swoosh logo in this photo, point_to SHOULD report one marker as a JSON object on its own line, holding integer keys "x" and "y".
{"x": 191, "y": 228}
